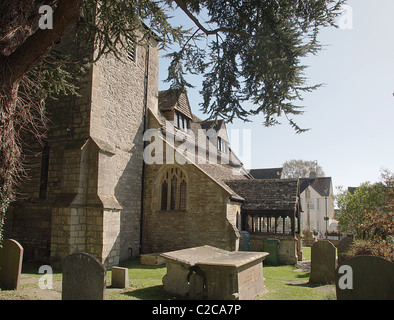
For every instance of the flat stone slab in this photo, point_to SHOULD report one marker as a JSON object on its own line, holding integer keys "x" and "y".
{"x": 152, "y": 259}
{"x": 207, "y": 255}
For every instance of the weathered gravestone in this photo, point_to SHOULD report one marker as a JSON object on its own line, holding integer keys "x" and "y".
{"x": 343, "y": 247}
{"x": 84, "y": 278}
{"x": 323, "y": 262}
{"x": 120, "y": 277}
{"x": 365, "y": 278}
{"x": 11, "y": 256}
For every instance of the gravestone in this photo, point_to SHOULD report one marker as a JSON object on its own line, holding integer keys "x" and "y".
{"x": 84, "y": 277}
{"x": 323, "y": 262}
{"x": 120, "y": 277}
{"x": 11, "y": 256}
{"x": 370, "y": 278}
{"x": 343, "y": 247}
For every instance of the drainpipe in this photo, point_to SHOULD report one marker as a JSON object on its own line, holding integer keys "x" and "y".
{"x": 145, "y": 126}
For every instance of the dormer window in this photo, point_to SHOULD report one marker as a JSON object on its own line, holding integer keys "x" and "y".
{"x": 222, "y": 145}
{"x": 181, "y": 121}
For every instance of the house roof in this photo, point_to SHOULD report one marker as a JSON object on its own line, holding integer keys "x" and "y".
{"x": 321, "y": 185}
{"x": 212, "y": 124}
{"x": 271, "y": 173}
{"x": 267, "y": 194}
{"x": 352, "y": 190}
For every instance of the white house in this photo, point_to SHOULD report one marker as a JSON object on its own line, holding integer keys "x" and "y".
{"x": 317, "y": 202}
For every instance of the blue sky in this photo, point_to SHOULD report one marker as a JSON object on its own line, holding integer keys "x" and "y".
{"x": 351, "y": 117}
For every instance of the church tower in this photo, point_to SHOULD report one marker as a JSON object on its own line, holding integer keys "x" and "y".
{"x": 85, "y": 186}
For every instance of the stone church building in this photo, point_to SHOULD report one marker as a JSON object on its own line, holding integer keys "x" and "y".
{"x": 126, "y": 169}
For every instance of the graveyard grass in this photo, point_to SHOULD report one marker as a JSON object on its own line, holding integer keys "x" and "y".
{"x": 146, "y": 284}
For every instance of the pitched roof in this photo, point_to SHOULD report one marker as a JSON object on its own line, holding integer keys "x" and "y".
{"x": 321, "y": 185}
{"x": 267, "y": 194}
{"x": 174, "y": 99}
{"x": 214, "y": 124}
{"x": 352, "y": 190}
{"x": 217, "y": 172}
{"x": 271, "y": 173}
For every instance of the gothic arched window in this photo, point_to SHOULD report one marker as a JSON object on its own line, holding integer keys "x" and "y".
{"x": 173, "y": 187}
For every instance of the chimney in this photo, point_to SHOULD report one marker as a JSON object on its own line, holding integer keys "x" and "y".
{"x": 312, "y": 174}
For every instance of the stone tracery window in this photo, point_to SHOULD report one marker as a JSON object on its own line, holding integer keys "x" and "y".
{"x": 173, "y": 190}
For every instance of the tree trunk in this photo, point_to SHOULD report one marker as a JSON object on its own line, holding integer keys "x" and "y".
{"x": 10, "y": 153}
{"x": 13, "y": 68}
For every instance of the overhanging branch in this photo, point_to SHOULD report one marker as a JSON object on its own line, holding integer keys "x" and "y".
{"x": 181, "y": 4}
{"x": 30, "y": 53}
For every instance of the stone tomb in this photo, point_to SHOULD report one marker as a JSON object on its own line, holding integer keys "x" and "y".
{"x": 211, "y": 273}
{"x": 365, "y": 278}
{"x": 84, "y": 277}
{"x": 11, "y": 256}
{"x": 323, "y": 262}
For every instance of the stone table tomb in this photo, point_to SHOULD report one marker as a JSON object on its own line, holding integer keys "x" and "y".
{"x": 211, "y": 273}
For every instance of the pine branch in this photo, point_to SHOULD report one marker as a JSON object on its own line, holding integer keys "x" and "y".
{"x": 181, "y": 4}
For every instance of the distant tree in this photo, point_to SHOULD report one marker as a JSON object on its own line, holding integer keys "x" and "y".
{"x": 368, "y": 215}
{"x": 301, "y": 169}
{"x": 369, "y": 212}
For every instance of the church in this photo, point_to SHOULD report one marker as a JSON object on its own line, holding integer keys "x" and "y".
{"x": 127, "y": 169}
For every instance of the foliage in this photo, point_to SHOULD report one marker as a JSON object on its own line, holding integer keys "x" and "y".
{"x": 368, "y": 214}
{"x": 355, "y": 208}
{"x": 382, "y": 249}
{"x": 301, "y": 169}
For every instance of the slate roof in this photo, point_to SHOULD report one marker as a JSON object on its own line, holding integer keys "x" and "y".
{"x": 271, "y": 173}
{"x": 319, "y": 184}
{"x": 267, "y": 194}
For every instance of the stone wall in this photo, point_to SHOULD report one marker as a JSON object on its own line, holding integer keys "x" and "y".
{"x": 121, "y": 92}
{"x": 204, "y": 222}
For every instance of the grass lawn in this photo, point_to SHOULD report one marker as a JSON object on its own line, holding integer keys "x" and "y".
{"x": 146, "y": 284}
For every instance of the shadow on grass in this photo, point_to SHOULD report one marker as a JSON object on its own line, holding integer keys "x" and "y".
{"x": 151, "y": 293}
{"x": 302, "y": 276}
{"x": 32, "y": 268}
{"x": 135, "y": 263}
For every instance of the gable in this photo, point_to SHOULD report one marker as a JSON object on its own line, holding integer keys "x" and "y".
{"x": 170, "y": 100}
{"x": 320, "y": 185}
